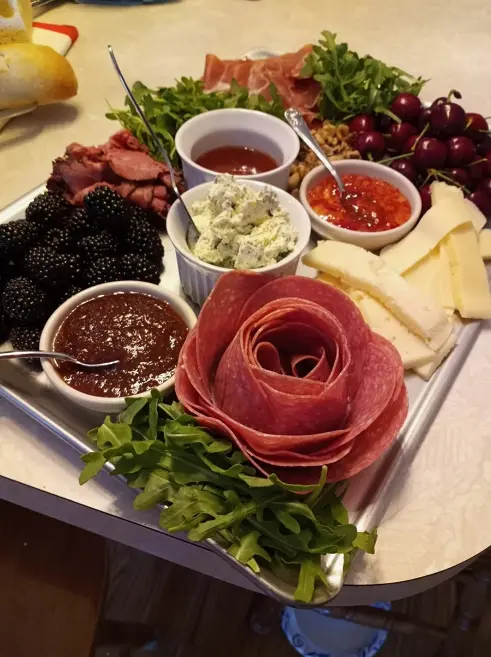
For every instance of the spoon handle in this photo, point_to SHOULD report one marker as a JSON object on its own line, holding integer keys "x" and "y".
{"x": 6, "y": 355}
{"x": 297, "y": 122}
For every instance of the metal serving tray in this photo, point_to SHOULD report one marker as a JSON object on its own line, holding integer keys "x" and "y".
{"x": 367, "y": 491}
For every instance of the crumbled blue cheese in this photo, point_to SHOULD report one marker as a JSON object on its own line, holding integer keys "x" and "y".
{"x": 240, "y": 228}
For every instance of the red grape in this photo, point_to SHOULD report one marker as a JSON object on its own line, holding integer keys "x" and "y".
{"x": 448, "y": 119}
{"x": 478, "y": 169}
{"x": 362, "y": 123}
{"x": 425, "y": 193}
{"x": 461, "y": 151}
{"x": 371, "y": 143}
{"x": 430, "y": 153}
{"x": 482, "y": 201}
{"x": 406, "y": 106}
{"x": 476, "y": 127}
{"x": 485, "y": 186}
{"x": 406, "y": 168}
{"x": 485, "y": 146}
{"x": 461, "y": 176}
{"x": 399, "y": 133}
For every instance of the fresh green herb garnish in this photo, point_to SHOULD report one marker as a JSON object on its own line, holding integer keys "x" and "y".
{"x": 211, "y": 491}
{"x": 352, "y": 84}
{"x": 167, "y": 108}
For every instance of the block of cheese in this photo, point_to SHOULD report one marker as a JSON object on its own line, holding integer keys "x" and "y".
{"x": 469, "y": 277}
{"x": 485, "y": 244}
{"x": 445, "y": 288}
{"x": 434, "y": 226}
{"x": 440, "y": 191}
{"x": 425, "y": 275}
{"x": 427, "y": 370}
{"x": 368, "y": 272}
{"x": 15, "y": 21}
{"x": 413, "y": 350}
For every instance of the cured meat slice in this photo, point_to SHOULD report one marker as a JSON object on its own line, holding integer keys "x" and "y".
{"x": 284, "y": 71}
{"x": 293, "y": 376}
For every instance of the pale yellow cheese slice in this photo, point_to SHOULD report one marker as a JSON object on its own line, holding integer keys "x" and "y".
{"x": 413, "y": 350}
{"x": 15, "y": 21}
{"x": 427, "y": 370}
{"x": 445, "y": 279}
{"x": 441, "y": 191}
{"x": 440, "y": 220}
{"x": 485, "y": 244}
{"x": 369, "y": 273}
{"x": 424, "y": 275}
{"x": 477, "y": 217}
{"x": 469, "y": 277}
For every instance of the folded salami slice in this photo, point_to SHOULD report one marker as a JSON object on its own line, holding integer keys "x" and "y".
{"x": 289, "y": 371}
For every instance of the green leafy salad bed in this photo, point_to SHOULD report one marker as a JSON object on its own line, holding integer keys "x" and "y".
{"x": 209, "y": 490}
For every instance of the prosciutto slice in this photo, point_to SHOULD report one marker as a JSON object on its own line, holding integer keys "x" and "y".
{"x": 284, "y": 71}
{"x": 290, "y": 372}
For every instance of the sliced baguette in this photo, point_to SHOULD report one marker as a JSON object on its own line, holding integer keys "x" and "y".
{"x": 34, "y": 74}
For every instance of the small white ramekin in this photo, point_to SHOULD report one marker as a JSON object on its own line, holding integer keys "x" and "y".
{"x": 198, "y": 277}
{"x": 370, "y": 241}
{"x": 236, "y": 127}
{"x": 106, "y": 404}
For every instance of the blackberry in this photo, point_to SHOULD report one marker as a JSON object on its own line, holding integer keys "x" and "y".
{"x": 79, "y": 224}
{"x": 59, "y": 239}
{"x": 25, "y": 338}
{"x": 142, "y": 238}
{"x": 75, "y": 267}
{"x": 4, "y": 326}
{"x": 103, "y": 270}
{"x": 12, "y": 239}
{"x": 23, "y": 302}
{"x": 150, "y": 217}
{"x": 135, "y": 268}
{"x": 48, "y": 209}
{"x": 96, "y": 246}
{"x": 69, "y": 293}
{"x": 107, "y": 207}
{"x": 45, "y": 266}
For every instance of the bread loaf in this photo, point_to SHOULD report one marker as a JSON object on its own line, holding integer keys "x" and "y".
{"x": 34, "y": 74}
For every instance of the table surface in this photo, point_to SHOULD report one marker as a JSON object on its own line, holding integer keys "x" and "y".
{"x": 440, "y": 515}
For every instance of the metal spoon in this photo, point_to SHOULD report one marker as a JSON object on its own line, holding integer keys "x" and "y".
{"x": 55, "y": 354}
{"x": 297, "y": 122}
{"x": 156, "y": 140}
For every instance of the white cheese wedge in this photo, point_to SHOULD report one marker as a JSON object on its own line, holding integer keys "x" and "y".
{"x": 485, "y": 244}
{"x": 426, "y": 371}
{"x": 369, "y": 273}
{"x": 445, "y": 288}
{"x": 435, "y": 225}
{"x": 477, "y": 217}
{"x": 15, "y": 21}
{"x": 413, "y": 350}
{"x": 424, "y": 275}
{"x": 469, "y": 277}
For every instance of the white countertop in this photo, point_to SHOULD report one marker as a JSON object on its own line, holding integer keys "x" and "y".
{"x": 440, "y": 516}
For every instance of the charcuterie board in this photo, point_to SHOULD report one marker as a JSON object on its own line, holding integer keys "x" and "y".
{"x": 367, "y": 491}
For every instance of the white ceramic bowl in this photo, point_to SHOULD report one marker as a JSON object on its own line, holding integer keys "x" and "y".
{"x": 236, "y": 127}
{"x": 105, "y": 404}
{"x": 198, "y": 277}
{"x": 370, "y": 241}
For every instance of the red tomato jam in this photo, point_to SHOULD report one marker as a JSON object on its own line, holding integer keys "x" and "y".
{"x": 369, "y": 204}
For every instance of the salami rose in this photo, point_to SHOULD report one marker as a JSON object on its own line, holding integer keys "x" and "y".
{"x": 290, "y": 372}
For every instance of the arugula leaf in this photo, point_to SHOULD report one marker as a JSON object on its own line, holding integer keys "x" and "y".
{"x": 210, "y": 490}
{"x": 351, "y": 84}
{"x": 167, "y": 108}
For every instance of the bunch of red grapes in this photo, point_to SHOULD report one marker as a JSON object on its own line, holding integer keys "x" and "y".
{"x": 440, "y": 142}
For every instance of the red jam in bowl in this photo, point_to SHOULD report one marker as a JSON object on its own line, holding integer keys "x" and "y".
{"x": 237, "y": 160}
{"x": 368, "y": 205}
{"x": 144, "y": 333}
